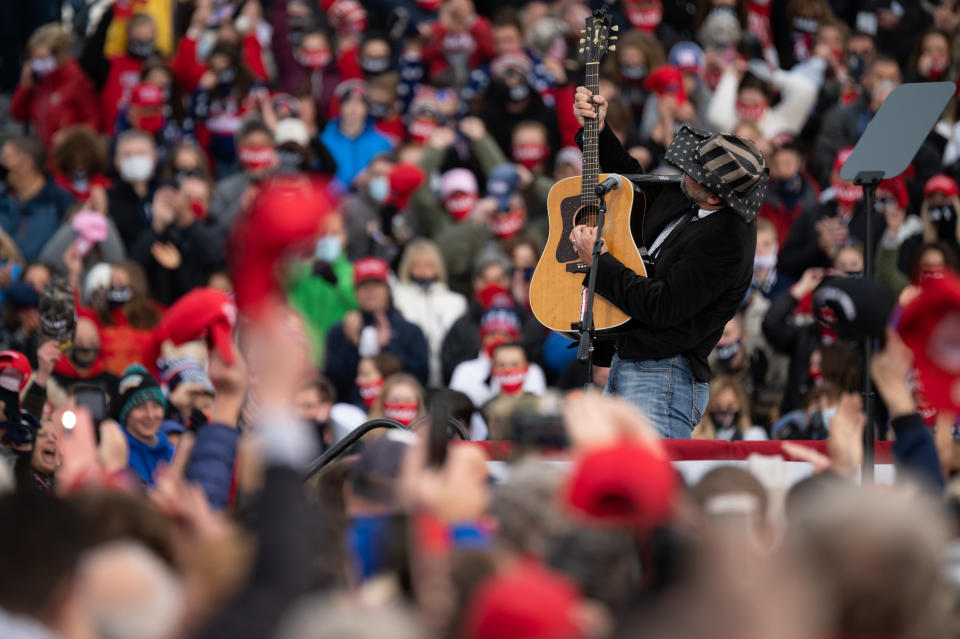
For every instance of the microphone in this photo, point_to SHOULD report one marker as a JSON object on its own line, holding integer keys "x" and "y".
{"x": 612, "y": 182}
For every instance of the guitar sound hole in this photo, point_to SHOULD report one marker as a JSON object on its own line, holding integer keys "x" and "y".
{"x": 587, "y": 215}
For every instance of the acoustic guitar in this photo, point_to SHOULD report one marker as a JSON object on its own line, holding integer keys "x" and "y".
{"x": 556, "y": 290}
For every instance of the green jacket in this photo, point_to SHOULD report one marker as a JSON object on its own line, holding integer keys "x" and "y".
{"x": 320, "y": 303}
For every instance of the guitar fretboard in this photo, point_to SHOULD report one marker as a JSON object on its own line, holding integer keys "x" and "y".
{"x": 591, "y": 163}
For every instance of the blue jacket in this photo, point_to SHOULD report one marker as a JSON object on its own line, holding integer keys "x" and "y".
{"x": 211, "y": 462}
{"x": 915, "y": 451}
{"x": 407, "y": 343}
{"x": 143, "y": 458}
{"x": 33, "y": 222}
{"x": 352, "y": 154}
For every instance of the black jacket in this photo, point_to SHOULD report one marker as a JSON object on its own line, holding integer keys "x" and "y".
{"x": 130, "y": 213}
{"x": 201, "y": 250}
{"x": 801, "y": 250}
{"x": 798, "y": 342}
{"x": 702, "y": 273}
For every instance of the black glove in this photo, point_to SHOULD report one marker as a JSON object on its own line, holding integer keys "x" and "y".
{"x": 20, "y": 434}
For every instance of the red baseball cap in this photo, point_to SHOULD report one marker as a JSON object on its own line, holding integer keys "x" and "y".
{"x": 626, "y": 484}
{"x": 941, "y": 183}
{"x": 841, "y": 158}
{"x": 528, "y": 601}
{"x": 15, "y": 371}
{"x": 370, "y": 268}
{"x": 666, "y": 80}
{"x": 930, "y": 326}
{"x": 148, "y": 95}
{"x": 897, "y": 188}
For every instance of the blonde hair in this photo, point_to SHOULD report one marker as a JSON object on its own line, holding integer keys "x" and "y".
{"x": 53, "y": 36}
{"x": 706, "y": 429}
{"x": 9, "y": 250}
{"x": 419, "y": 246}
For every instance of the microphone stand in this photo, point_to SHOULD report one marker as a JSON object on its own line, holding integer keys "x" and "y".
{"x": 587, "y": 332}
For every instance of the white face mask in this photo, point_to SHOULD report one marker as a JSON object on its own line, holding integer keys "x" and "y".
{"x": 136, "y": 168}
{"x": 43, "y": 66}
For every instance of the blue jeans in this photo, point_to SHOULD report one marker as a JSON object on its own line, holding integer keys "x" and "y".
{"x": 663, "y": 389}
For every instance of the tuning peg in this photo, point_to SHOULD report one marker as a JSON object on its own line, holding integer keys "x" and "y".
{"x": 613, "y": 48}
{"x": 613, "y": 38}
{"x": 615, "y": 27}
{"x": 583, "y": 30}
{"x": 583, "y": 40}
{"x": 580, "y": 50}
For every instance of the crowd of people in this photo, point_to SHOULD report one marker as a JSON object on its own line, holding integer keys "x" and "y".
{"x": 165, "y": 386}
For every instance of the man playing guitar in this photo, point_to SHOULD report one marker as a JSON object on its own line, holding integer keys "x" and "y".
{"x": 701, "y": 236}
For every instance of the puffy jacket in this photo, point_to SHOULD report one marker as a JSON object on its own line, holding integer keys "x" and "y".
{"x": 211, "y": 462}
{"x": 352, "y": 155}
{"x": 434, "y": 309}
{"x": 63, "y": 98}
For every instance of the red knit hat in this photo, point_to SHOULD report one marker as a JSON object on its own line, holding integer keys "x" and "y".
{"x": 897, "y": 188}
{"x": 285, "y": 217}
{"x": 494, "y": 295}
{"x": 404, "y": 180}
{"x": 941, "y": 183}
{"x": 529, "y": 601}
{"x": 21, "y": 369}
{"x": 626, "y": 483}
{"x": 202, "y": 313}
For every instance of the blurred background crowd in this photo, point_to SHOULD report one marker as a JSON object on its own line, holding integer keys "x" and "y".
{"x": 137, "y": 135}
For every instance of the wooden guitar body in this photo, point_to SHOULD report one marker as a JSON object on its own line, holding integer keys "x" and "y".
{"x": 556, "y": 290}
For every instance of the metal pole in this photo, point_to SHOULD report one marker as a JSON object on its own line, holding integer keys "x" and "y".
{"x": 585, "y": 349}
{"x": 869, "y": 180}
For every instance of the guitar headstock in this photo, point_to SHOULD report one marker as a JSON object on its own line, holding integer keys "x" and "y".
{"x": 597, "y": 40}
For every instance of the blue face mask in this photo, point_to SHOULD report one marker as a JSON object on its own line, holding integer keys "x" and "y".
{"x": 827, "y": 415}
{"x": 379, "y": 189}
{"x": 424, "y": 283}
{"x": 328, "y": 248}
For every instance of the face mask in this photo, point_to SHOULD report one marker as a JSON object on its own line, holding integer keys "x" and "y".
{"x": 181, "y": 175}
{"x": 827, "y": 415}
{"x": 290, "y": 159}
{"x": 530, "y": 155}
{"x": 506, "y": 225}
{"x": 726, "y": 353}
{"x": 118, "y": 296}
{"x": 151, "y": 124}
{"x": 375, "y": 66}
{"x": 257, "y": 158}
{"x": 370, "y": 391}
{"x": 459, "y": 206}
{"x": 816, "y": 377}
{"x": 140, "y": 50}
{"x": 379, "y": 111}
{"x": 766, "y": 262}
{"x": 848, "y": 194}
{"x": 944, "y": 219}
{"x": 80, "y": 182}
{"x": 43, "y": 66}
{"x": 725, "y": 418}
{"x": 938, "y": 66}
{"x": 424, "y": 282}
{"x": 4, "y": 172}
{"x": 420, "y": 129}
{"x": 634, "y": 73}
{"x": 225, "y": 77}
{"x": 199, "y": 209}
{"x": 328, "y": 248}
{"x": 717, "y": 11}
{"x": 84, "y": 357}
{"x": 315, "y": 60}
{"x": 379, "y": 189}
{"x": 519, "y": 93}
{"x": 510, "y": 381}
{"x": 400, "y": 411}
{"x": 136, "y": 168}
{"x": 751, "y": 112}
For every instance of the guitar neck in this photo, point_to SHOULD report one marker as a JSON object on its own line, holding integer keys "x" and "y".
{"x": 591, "y": 131}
